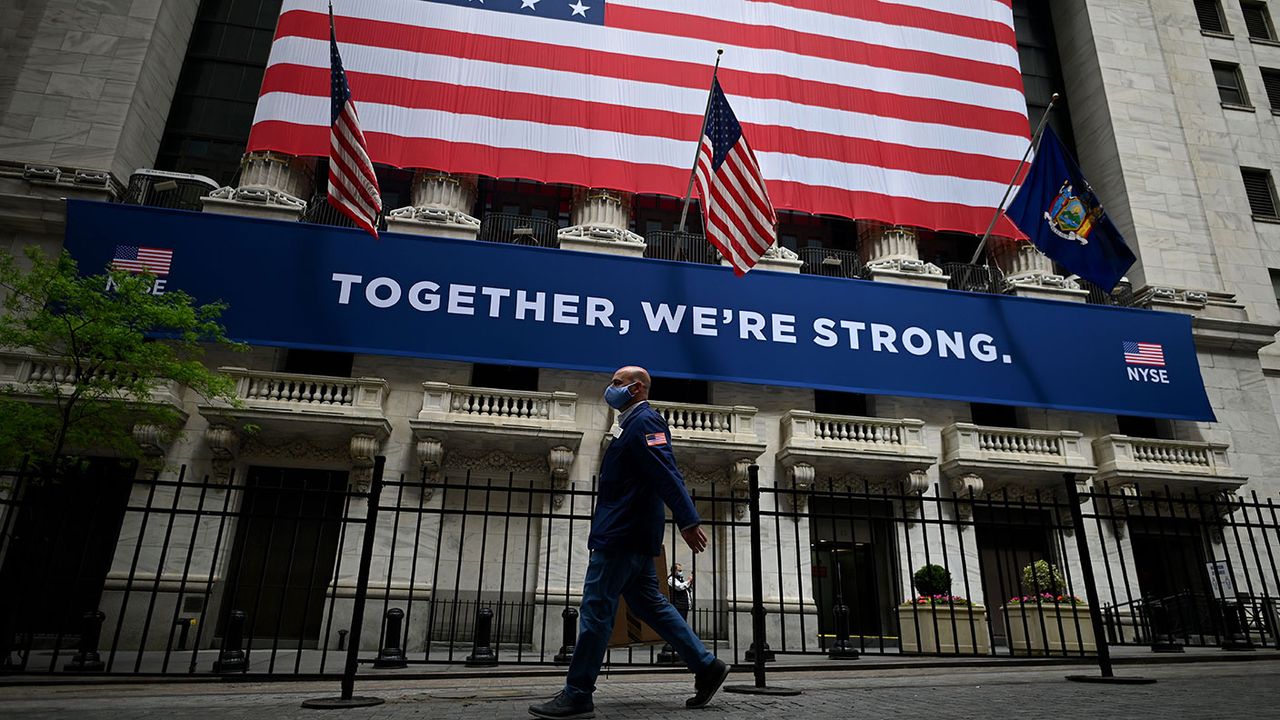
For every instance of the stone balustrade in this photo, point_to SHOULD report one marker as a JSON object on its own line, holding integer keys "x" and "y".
{"x": 800, "y": 427}
{"x": 27, "y": 374}
{"x": 1124, "y": 460}
{"x": 881, "y": 449}
{"x": 709, "y": 421}
{"x": 304, "y": 393}
{"x": 1012, "y": 455}
{"x": 460, "y": 403}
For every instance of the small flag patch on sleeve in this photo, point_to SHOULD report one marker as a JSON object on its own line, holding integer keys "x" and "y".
{"x": 653, "y": 439}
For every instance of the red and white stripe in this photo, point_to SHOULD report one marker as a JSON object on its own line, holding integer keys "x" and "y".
{"x": 739, "y": 219}
{"x": 353, "y": 185}
{"x": 908, "y": 113}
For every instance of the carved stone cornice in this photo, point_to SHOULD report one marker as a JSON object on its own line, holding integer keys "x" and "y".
{"x": 496, "y": 460}
{"x": 292, "y": 448}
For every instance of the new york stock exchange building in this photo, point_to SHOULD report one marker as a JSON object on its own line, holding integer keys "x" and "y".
{"x": 906, "y": 403}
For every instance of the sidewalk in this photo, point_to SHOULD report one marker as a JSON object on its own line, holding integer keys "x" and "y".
{"x": 1203, "y": 690}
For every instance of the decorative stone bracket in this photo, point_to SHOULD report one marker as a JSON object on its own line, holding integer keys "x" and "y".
{"x": 154, "y": 444}
{"x": 801, "y": 477}
{"x": 431, "y": 459}
{"x": 964, "y": 488}
{"x": 559, "y": 459}
{"x": 1117, "y": 508}
{"x": 224, "y": 444}
{"x": 363, "y": 448}
{"x": 740, "y": 484}
{"x": 914, "y": 485}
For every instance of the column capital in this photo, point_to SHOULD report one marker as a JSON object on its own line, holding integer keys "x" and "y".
{"x": 442, "y": 206}
{"x": 600, "y": 220}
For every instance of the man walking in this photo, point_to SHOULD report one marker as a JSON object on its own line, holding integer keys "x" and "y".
{"x": 637, "y": 476}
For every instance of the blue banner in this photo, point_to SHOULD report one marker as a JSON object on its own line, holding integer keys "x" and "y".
{"x": 309, "y": 286}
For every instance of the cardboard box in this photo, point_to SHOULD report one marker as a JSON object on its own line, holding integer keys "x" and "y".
{"x": 627, "y": 628}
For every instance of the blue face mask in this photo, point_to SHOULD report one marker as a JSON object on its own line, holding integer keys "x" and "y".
{"x": 618, "y": 397}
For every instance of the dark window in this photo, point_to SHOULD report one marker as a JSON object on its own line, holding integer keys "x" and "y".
{"x": 994, "y": 415}
{"x": 658, "y": 213}
{"x": 217, "y": 91}
{"x": 695, "y": 392}
{"x": 505, "y": 377}
{"x": 830, "y": 402}
{"x": 1143, "y": 427}
{"x": 318, "y": 362}
{"x": 1041, "y": 67}
{"x": 1258, "y": 21}
{"x": 1230, "y": 87}
{"x": 1261, "y": 192}
{"x": 1210, "y": 14}
{"x": 1275, "y": 284}
{"x": 1271, "y": 81}
{"x": 527, "y": 198}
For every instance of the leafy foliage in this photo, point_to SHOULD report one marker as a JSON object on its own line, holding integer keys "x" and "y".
{"x": 111, "y": 343}
{"x": 1042, "y": 577}
{"x": 932, "y": 580}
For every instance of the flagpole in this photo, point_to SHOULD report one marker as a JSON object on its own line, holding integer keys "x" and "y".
{"x": 1035, "y": 142}
{"x": 697, "y": 150}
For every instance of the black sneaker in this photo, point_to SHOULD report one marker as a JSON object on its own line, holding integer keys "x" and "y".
{"x": 562, "y": 708}
{"x": 706, "y": 683}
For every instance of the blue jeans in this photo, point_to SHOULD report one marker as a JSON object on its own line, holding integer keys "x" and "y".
{"x": 610, "y": 574}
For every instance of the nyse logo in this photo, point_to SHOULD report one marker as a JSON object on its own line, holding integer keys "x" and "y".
{"x": 1151, "y": 375}
{"x": 1145, "y": 361}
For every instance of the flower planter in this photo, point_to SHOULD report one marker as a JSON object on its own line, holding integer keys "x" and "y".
{"x": 1050, "y": 629}
{"x": 943, "y": 629}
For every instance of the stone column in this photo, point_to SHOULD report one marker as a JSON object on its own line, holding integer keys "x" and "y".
{"x": 1030, "y": 273}
{"x": 892, "y": 254}
{"x": 777, "y": 259}
{"x": 442, "y": 206}
{"x": 272, "y": 185}
{"x": 600, "y": 220}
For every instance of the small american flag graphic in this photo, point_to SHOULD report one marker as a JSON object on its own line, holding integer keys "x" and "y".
{"x": 135, "y": 259}
{"x": 1143, "y": 353}
{"x": 653, "y": 439}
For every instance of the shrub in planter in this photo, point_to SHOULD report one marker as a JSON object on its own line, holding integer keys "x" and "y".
{"x": 1047, "y": 620}
{"x": 935, "y": 621}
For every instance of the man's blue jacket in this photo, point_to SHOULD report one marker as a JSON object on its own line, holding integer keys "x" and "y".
{"x": 639, "y": 474}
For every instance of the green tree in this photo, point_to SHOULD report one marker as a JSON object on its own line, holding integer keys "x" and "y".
{"x": 117, "y": 343}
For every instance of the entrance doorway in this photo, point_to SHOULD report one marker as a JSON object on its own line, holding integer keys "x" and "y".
{"x": 285, "y": 547}
{"x": 64, "y": 536}
{"x": 1170, "y": 562}
{"x": 854, "y": 561}
{"x": 1009, "y": 539}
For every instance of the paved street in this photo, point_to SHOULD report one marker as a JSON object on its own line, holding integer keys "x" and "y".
{"x": 1195, "y": 690}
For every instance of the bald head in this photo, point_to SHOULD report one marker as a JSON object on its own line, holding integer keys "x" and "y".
{"x": 637, "y": 378}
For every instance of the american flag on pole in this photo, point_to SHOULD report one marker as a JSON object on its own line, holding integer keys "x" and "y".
{"x": 902, "y": 111}
{"x": 737, "y": 215}
{"x": 136, "y": 259}
{"x": 1144, "y": 353}
{"x": 353, "y": 186}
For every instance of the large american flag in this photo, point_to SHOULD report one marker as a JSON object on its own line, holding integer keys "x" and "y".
{"x": 353, "y": 185}
{"x": 902, "y": 111}
{"x": 739, "y": 220}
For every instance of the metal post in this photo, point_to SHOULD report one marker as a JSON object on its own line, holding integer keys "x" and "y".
{"x": 347, "y": 700}
{"x": 482, "y": 654}
{"x": 232, "y": 658}
{"x": 88, "y": 659}
{"x": 391, "y": 655}
{"x": 185, "y": 625}
{"x": 1091, "y": 594}
{"x": 569, "y": 636}
{"x": 757, "y": 597}
{"x": 842, "y": 649}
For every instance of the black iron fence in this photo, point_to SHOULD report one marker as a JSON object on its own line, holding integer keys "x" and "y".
{"x": 106, "y": 571}
{"x": 682, "y": 247}
{"x": 519, "y": 230}
{"x": 830, "y": 262}
{"x": 974, "y": 278}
